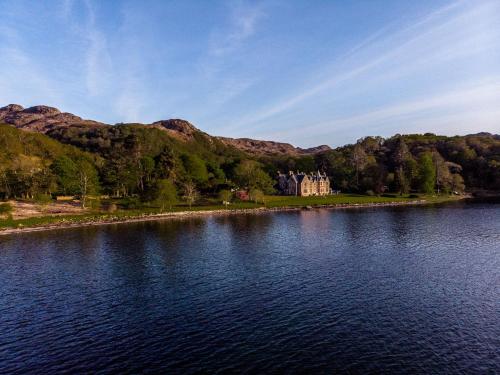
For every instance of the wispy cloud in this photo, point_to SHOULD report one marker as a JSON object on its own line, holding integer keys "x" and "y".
{"x": 243, "y": 21}
{"x": 277, "y": 70}
{"x": 219, "y": 65}
{"x": 98, "y": 60}
{"x": 440, "y": 36}
{"x": 459, "y": 105}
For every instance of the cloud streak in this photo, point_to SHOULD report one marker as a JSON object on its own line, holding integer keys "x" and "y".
{"x": 439, "y": 37}
{"x": 278, "y": 70}
{"x": 476, "y": 97}
{"x": 242, "y": 25}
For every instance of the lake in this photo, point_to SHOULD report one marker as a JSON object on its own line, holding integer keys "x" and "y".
{"x": 402, "y": 290}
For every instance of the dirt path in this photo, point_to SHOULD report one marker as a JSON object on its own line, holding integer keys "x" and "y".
{"x": 25, "y": 210}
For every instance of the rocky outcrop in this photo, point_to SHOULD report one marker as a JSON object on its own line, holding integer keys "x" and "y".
{"x": 177, "y": 128}
{"x": 257, "y": 147}
{"x": 314, "y": 150}
{"x": 41, "y": 118}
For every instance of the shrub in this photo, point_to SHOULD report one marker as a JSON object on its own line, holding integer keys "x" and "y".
{"x": 5, "y": 208}
{"x": 130, "y": 203}
{"x": 43, "y": 198}
{"x": 257, "y": 196}
{"x": 108, "y": 207}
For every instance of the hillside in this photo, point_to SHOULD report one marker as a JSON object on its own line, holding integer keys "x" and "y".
{"x": 44, "y": 119}
{"x": 41, "y": 118}
{"x": 271, "y": 148}
{"x": 51, "y": 152}
{"x": 29, "y": 162}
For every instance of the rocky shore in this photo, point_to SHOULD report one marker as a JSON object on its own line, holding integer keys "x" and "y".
{"x": 111, "y": 219}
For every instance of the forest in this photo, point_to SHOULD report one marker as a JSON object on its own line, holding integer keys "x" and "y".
{"x": 146, "y": 164}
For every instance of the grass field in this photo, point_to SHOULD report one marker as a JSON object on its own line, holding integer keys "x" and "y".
{"x": 280, "y": 201}
{"x": 269, "y": 202}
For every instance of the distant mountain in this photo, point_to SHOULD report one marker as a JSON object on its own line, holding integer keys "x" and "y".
{"x": 270, "y": 148}
{"x": 44, "y": 119}
{"x": 40, "y": 118}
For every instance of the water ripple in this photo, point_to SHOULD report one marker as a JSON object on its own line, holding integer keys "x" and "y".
{"x": 411, "y": 290}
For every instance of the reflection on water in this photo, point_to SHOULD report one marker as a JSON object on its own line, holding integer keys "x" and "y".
{"x": 373, "y": 290}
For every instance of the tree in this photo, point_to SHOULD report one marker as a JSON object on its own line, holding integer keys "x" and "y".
{"x": 5, "y": 189}
{"x": 146, "y": 167}
{"x": 457, "y": 183}
{"x": 166, "y": 193}
{"x": 400, "y": 157}
{"x": 88, "y": 182}
{"x": 411, "y": 171}
{"x": 249, "y": 174}
{"x": 190, "y": 192}
{"x": 443, "y": 175}
{"x": 374, "y": 178}
{"x": 256, "y": 195}
{"x": 225, "y": 196}
{"x": 66, "y": 172}
{"x": 195, "y": 168}
{"x": 427, "y": 173}
{"x": 358, "y": 160}
{"x": 165, "y": 164}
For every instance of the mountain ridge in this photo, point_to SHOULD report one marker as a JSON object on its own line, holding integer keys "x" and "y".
{"x": 43, "y": 119}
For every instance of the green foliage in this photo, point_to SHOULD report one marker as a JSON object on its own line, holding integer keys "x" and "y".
{"x": 43, "y": 198}
{"x": 5, "y": 208}
{"x": 195, "y": 168}
{"x": 256, "y": 195}
{"x": 130, "y": 161}
{"x": 249, "y": 174}
{"x": 166, "y": 194}
{"x": 427, "y": 173}
{"x": 66, "y": 172}
{"x": 26, "y": 163}
{"x": 225, "y": 196}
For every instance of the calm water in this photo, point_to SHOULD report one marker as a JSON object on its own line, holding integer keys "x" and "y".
{"x": 413, "y": 290}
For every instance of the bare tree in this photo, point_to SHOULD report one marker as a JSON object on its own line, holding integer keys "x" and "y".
{"x": 87, "y": 181}
{"x": 190, "y": 193}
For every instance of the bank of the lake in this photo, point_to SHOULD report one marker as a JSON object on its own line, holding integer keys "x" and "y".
{"x": 271, "y": 203}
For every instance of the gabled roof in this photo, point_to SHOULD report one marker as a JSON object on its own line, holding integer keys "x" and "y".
{"x": 300, "y": 177}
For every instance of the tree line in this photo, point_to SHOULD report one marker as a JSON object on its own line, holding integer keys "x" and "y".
{"x": 123, "y": 162}
{"x": 149, "y": 165}
{"x": 409, "y": 163}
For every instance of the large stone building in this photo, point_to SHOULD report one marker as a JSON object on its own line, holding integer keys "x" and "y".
{"x": 303, "y": 184}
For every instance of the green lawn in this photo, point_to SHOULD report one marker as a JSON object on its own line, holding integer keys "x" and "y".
{"x": 280, "y": 201}
{"x": 270, "y": 202}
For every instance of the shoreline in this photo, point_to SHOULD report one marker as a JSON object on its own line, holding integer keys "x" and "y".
{"x": 107, "y": 220}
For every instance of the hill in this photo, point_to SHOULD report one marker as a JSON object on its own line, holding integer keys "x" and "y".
{"x": 271, "y": 148}
{"x": 44, "y": 119}
{"x": 51, "y": 152}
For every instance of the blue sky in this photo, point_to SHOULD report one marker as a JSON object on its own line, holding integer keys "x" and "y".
{"x": 304, "y": 72}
